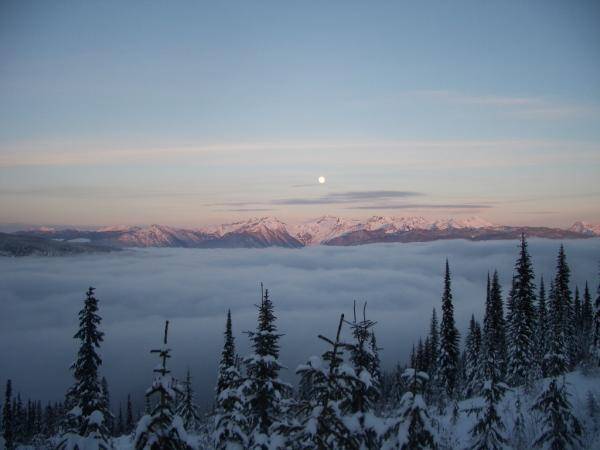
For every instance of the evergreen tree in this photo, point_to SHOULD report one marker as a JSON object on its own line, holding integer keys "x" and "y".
{"x": 595, "y": 349}
{"x": 587, "y": 321}
{"x": 488, "y": 431}
{"x": 473, "y": 359}
{"x": 375, "y": 368}
{"x": 162, "y": 429}
{"x": 330, "y": 383}
{"x": 519, "y": 438}
{"x": 8, "y": 418}
{"x": 230, "y": 421}
{"x": 564, "y": 308}
{"x": 110, "y": 419}
{"x": 88, "y": 407}
{"x": 577, "y": 327}
{"x": 366, "y": 392}
{"x": 542, "y": 329}
{"x": 188, "y": 410}
{"x": 434, "y": 344}
{"x": 522, "y": 319}
{"x": 448, "y": 359}
{"x": 262, "y": 388}
{"x": 129, "y": 422}
{"x": 561, "y": 430}
{"x": 120, "y": 429}
{"x": 412, "y": 428}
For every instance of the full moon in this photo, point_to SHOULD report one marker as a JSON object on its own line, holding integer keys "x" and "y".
{"x": 321, "y": 179}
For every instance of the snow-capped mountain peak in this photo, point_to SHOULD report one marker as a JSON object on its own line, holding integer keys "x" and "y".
{"x": 586, "y": 228}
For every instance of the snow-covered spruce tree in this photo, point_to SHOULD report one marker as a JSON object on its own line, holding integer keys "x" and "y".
{"x": 587, "y": 320}
{"x": 560, "y": 429}
{"x": 518, "y": 440}
{"x": 230, "y": 420}
{"x": 187, "y": 409}
{"x": 120, "y": 427}
{"x": 8, "y": 418}
{"x": 162, "y": 429}
{"x": 449, "y": 354}
{"x": 488, "y": 431}
{"x": 262, "y": 389}
{"x": 522, "y": 320}
{"x": 365, "y": 393}
{"x": 432, "y": 391}
{"x": 473, "y": 364}
{"x": 375, "y": 368}
{"x": 330, "y": 383}
{"x": 595, "y": 347}
{"x": 88, "y": 410}
{"x": 411, "y": 428}
{"x": 542, "y": 327}
{"x": 564, "y": 302}
{"x": 110, "y": 419}
{"x": 129, "y": 421}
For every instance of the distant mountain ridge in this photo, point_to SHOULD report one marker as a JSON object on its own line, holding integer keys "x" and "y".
{"x": 18, "y": 245}
{"x": 326, "y": 230}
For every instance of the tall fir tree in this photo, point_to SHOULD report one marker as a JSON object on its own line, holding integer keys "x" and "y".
{"x": 587, "y": 320}
{"x": 120, "y": 428}
{"x": 129, "y": 420}
{"x": 162, "y": 429}
{"x": 564, "y": 304}
{"x": 263, "y": 390}
{"x": 577, "y": 327}
{"x": 230, "y": 420}
{"x": 412, "y": 428}
{"x": 375, "y": 368}
{"x": 88, "y": 407}
{"x": 449, "y": 354}
{"x": 473, "y": 363}
{"x": 329, "y": 386}
{"x": 541, "y": 329}
{"x": 110, "y": 419}
{"x": 488, "y": 431}
{"x": 522, "y": 320}
{"x": 366, "y": 392}
{"x": 187, "y": 409}
{"x": 560, "y": 428}
{"x": 595, "y": 347}
{"x": 8, "y": 419}
{"x": 434, "y": 344}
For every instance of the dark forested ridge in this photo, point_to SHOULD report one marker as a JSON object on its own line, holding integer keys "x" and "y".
{"x": 23, "y": 245}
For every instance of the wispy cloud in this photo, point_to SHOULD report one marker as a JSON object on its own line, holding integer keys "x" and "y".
{"x": 347, "y": 197}
{"x": 454, "y": 206}
{"x": 427, "y": 154}
{"x": 247, "y": 209}
{"x": 521, "y": 106}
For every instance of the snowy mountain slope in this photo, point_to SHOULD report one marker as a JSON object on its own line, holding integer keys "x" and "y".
{"x": 586, "y": 228}
{"x": 325, "y": 230}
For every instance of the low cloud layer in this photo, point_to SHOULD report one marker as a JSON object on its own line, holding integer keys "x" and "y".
{"x": 193, "y": 288}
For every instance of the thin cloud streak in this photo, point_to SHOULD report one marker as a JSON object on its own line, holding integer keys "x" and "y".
{"x": 423, "y": 206}
{"x": 347, "y": 197}
{"x": 413, "y": 153}
{"x": 524, "y": 107}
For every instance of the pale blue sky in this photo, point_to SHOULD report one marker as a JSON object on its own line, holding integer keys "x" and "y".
{"x": 185, "y": 113}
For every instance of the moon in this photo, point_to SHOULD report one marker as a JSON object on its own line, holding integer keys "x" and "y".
{"x": 321, "y": 179}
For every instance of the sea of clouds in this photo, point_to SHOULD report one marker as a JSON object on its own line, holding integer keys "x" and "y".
{"x": 193, "y": 288}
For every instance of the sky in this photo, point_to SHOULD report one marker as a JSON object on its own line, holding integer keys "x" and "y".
{"x": 198, "y": 113}
{"x": 310, "y": 288}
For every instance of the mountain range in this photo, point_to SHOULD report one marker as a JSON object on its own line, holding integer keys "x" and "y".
{"x": 326, "y": 230}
